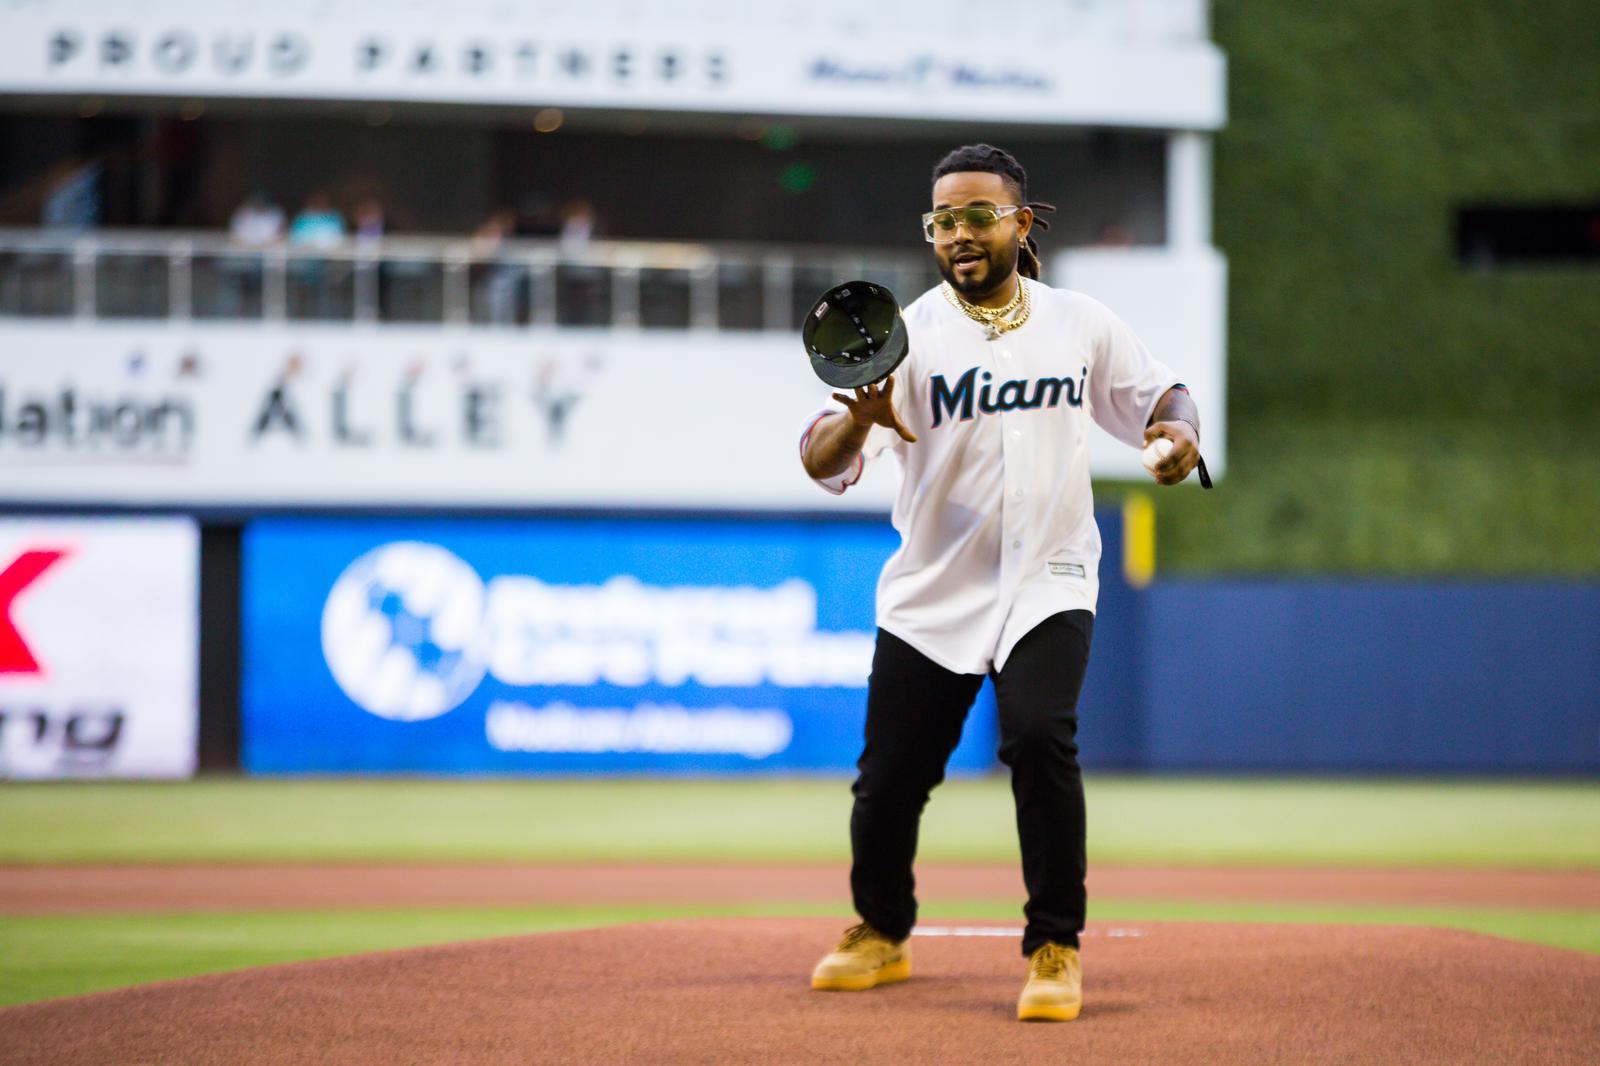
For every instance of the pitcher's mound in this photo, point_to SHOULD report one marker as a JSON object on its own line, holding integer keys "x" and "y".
{"x": 737, "y": 991}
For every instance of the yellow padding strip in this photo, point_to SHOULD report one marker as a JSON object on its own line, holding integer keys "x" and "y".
{"x": 1138, "y": 540}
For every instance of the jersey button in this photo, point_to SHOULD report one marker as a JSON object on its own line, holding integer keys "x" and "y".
{"x": 1016, "y": 544}
{"x": 1017, "y": 495}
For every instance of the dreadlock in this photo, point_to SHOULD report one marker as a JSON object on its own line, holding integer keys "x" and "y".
{"x": 991, "y": 160}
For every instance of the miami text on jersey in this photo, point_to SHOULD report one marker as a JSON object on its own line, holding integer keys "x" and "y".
{"x": 1009, "y": 396}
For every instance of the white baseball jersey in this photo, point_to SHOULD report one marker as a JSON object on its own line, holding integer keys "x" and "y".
{"x": 995, "y": 514}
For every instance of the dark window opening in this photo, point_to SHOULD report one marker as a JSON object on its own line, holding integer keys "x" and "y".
{"x": 1491, "y": 238}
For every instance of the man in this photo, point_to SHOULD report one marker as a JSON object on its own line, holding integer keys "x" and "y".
{"x": 997, "y": 571}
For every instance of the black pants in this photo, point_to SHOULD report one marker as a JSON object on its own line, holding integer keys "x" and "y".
{"x": 915, "y": 710}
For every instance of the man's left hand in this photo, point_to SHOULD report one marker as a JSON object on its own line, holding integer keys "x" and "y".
{"x": 1185, "y": 452}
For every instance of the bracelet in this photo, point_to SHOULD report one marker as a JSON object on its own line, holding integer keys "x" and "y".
{"x": 1200, "y": 464}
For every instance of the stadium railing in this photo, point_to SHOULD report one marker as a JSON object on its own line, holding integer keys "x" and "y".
{"x": 455, "y": 281}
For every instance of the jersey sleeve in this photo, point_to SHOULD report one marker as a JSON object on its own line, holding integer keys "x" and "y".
{"x": 1125, "y": 381}
{"x": 879, "y": 438}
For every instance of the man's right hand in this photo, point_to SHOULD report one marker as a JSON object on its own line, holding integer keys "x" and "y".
{"x": 874, "y": 406}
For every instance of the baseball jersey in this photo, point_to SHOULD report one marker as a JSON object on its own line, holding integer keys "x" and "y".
{"x": 995, "y": 514}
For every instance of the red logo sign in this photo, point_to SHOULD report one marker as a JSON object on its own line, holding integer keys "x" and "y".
{"x": 25, "y": 569}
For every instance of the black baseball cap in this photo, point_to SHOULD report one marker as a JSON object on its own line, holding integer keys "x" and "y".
{"x": 854, "y": 335}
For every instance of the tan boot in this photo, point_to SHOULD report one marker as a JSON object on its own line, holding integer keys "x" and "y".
{"x": 1054, "y": 992}
{"x": 864, "y": 959}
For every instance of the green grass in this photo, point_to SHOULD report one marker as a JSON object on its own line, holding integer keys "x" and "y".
{"x": 1346, "y": 823}
{"x": 1578, "y": 930}
{"x": 47, "y": 957}
{"x": 56, "y": 955}
{"x": 1132, "y": 820}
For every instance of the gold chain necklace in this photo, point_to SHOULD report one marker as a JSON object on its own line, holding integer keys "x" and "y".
{"x": 994, "y": 320}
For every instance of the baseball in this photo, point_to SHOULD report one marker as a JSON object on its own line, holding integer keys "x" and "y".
{"x": 1154, "y": 452}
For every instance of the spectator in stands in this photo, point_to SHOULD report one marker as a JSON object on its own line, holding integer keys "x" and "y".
{"x": 495, "y": 297}
{"x": 577, "y": 225}
{"x": 369, "y": 221}
{"x": 75, "y": 199}
{"x": 501, "y": 223}
{"x": 583, "y": 285}
{"x": 256, "y": 222}
{"x": 318, "y": 225}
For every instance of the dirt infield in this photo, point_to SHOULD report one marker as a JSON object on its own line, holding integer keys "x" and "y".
{"x": 132, "y": 889}
{"x": 736, "y": 991}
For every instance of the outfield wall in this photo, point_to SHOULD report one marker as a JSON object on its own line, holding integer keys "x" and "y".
{"x": 98, "y": 647}
{"x": 1371, "y": 676}
{"x": 745, "y": 646}
{"x": 1342, "y": 676}
{"x": 720, "y": 645}
{"x": 577, "y": 645}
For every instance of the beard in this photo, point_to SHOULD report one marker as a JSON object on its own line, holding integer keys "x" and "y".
{"x": 998, "y": 270}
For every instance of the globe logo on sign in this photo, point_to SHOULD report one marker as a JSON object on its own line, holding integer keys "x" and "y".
{"x": 401, "y": 631}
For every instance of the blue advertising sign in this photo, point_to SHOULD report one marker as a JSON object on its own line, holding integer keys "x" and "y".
{"x": 563, "y": 646}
